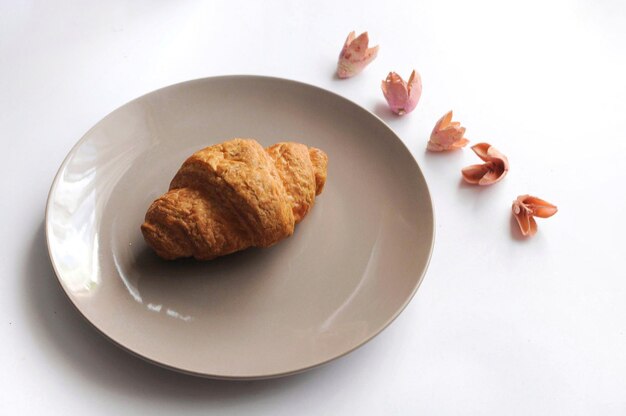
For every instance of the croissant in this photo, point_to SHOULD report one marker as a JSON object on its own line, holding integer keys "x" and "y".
{"x": 232, "y": 196}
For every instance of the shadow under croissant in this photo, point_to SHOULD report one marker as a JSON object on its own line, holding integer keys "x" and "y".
{"x": 72, "y": 346}
{"x": 187, "y": 287}
{"x": 155, "y": 267}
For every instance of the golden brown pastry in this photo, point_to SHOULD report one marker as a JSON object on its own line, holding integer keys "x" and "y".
{"x": 235, "y": 195}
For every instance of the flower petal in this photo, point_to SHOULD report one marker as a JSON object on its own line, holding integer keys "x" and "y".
{"x": 443, "y": 122}
{"x": 370, "y": 55}
{"x": 358, "y": 47}
{"x": 482, "y": 151}
{"x": 347, "y": 43}
{"x": 539, "y": 207}
{"x": 544, "y": 212}
{"x": 527, "y": 224}
{"x": 525, "y": 221}
{"x": 473, "y": 174}
{"x": 496, "y": 156}
{"x": 415, "y": 91}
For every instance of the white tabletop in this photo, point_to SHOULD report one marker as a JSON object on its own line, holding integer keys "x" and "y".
{"x": 499, "y": 326}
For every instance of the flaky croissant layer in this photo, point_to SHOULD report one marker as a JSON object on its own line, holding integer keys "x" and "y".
{"x": 235, "y": 195}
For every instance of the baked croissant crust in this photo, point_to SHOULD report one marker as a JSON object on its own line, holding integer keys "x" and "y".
{"x": 235, "y": 195}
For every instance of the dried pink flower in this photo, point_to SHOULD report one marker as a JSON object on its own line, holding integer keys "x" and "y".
{"x": 526, "y": 207}
{"x": 493, "y": 170}
{"x": 355, "y": 55}
{"x": 401, "y": 96}
{"x": 447, "y": 135}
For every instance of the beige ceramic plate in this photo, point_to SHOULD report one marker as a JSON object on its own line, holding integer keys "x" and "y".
{"x": 350, "y": 268}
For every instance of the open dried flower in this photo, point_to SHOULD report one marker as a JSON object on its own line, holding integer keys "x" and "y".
{"x": 401, "y": 96}
{"x": 526, "y": 207}
{"x": 493, "y": 170}
{"x": 447, "y": 135}
{"x": 355, "y": 55}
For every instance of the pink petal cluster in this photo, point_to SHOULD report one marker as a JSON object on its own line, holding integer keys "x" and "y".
{"x": 493, "y": 170}
{"x": 402, "y": 96}
{"x": 355, "y": 55}
{"x": 447, "y": 135}
{"x": 526, "y": 207}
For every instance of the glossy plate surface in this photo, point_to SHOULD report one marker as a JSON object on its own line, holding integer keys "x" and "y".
{"x": 349, "y": 269}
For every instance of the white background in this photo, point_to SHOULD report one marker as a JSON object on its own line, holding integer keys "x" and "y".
{"x": 500, "y": 325}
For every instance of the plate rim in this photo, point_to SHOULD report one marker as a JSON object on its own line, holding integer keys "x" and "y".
{"x": 367, "y": 339}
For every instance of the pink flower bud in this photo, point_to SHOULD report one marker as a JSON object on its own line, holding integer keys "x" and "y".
{"x": 401, "y": 96}
{"x": 493, "y": 170}
{"x": 525, "y": 207}
{"x": 355, "y": 55}
{"x": 447, "y": 135}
